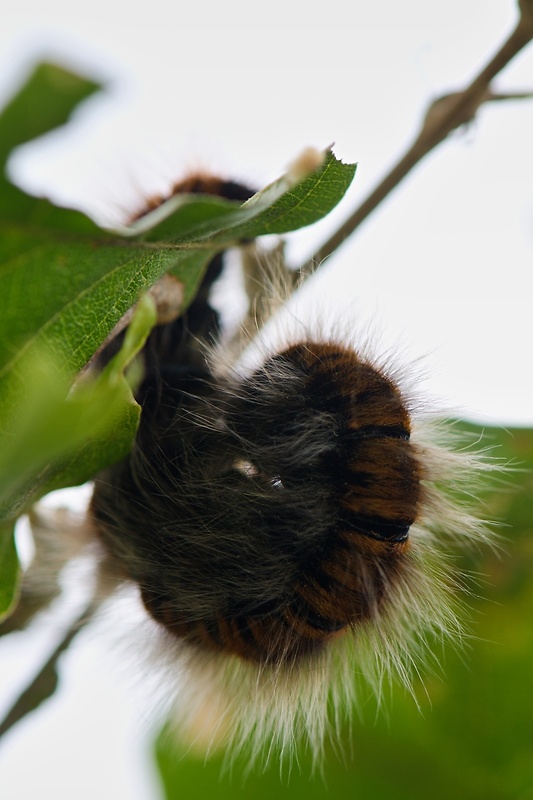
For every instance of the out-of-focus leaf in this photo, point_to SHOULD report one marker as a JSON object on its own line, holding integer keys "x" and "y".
{"x": 46, "y": 101}
{"x": 9, "y": 569}
{"x": 43, "y": 103}
{"x": 59, "y": 535}
{"x": 62, "y": 436}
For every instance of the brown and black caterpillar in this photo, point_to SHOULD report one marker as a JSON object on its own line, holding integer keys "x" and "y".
{"x": 284, "y": 524}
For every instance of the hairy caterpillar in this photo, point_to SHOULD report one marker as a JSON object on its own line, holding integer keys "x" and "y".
{"x": 283, "y": 524}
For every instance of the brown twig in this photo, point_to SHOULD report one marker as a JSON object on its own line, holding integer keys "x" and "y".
{"x": 443, "y": 116}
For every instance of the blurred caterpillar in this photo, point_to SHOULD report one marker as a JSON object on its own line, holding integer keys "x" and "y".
{"x": 283, "y": 524}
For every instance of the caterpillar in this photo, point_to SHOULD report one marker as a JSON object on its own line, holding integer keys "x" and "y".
{"x": 285, "y": 524}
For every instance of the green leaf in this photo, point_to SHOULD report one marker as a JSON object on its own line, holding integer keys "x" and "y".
{"x": 46, "y": 101}
{"x": 67, "y": 296}
{"x": 62, "y": 436}
{"x": 9, "y": 569}
{"x": 281, "y": 207}
{"x": 58, "y": 536}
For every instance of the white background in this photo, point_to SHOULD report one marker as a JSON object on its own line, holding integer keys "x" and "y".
{"x": 445, "y": 265}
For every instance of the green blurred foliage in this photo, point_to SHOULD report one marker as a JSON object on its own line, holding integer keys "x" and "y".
{"x": 9, "y": 569}
{"x": 472, "y": 738}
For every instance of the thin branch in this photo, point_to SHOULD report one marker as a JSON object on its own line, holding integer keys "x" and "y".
{"x": 443, "y": 116}
{"x": 45, "y": 682}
